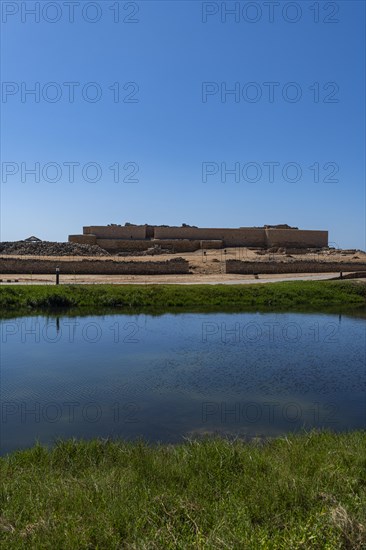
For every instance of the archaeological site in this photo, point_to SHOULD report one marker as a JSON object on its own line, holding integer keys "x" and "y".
{"x": 117, "y": 238}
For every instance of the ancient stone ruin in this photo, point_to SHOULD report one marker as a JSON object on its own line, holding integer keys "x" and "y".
{"x": 117, "y": 238}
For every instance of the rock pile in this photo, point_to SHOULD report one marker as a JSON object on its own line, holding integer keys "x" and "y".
{"x": 152, "y": 251}
{"x": 156, "y": 249}
{"x": 282, "y": 250}
{"x": 48, "y": 248}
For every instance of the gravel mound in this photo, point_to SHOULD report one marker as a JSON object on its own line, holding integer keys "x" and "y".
{"x": 48, "y": 248}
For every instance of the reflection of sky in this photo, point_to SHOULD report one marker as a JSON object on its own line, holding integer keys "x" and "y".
{"x": 171, "y": 366}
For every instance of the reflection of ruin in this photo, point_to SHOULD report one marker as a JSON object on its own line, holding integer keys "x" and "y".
{"x": 118, "y": 238}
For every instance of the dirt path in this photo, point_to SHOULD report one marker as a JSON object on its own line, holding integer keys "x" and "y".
{"x": 224, "y": 279}
{"x": 206, "y": 268}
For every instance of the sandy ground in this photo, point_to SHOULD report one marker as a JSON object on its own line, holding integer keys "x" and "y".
{"x": 225, "y": 279}
{"x": 205, "y": 269}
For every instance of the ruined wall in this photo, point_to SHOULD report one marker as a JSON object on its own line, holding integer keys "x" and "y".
{"x": 183, "y": 245}
{"x": 122, "y": 245}
{"x": 244, "y": 236}
{"x": 310, "y": 266}
{"x": 116, "y": 231}
{"x": 298, "y": 238}
{"x": 186, "y": 245}
{"x": 93, "y": 267}
{"x": 112, "y": 245}
{"x": 83, "y": 239}
{"x": 230, "y": 237}
{"x": 211, "y": 244}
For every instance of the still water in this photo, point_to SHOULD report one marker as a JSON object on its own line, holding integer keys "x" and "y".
{"x": 167, "y": 377}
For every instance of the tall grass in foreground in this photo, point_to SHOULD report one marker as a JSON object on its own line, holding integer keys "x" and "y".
{"x": 304, "y": 491}
{"x": 292, "y": 294}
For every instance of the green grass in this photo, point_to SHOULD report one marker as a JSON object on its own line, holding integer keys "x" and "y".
{"x": 301, "y": 492}
{"x": 283, "y": 295}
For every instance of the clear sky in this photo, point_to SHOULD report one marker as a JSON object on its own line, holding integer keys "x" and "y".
{"x": 131, "y": 116}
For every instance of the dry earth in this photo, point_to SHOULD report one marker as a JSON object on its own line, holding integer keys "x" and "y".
{"x": 205, "y": 268}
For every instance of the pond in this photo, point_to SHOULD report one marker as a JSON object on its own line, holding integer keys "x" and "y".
{"x": 174, "y": 376}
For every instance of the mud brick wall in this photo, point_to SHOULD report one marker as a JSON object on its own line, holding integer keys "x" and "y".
{"x": 230, "y": 237}
{"x": 83, "y": 239}
{"x": 212, "y": 244}
{"x": 126, "y": 245}
{"x": 248, "y": 268}
{"x": 116, "y": 231}
{"x": 184, "y": 245}
{"x": 175, "y": 245}
{"x": 122, "y": 245}
{"x": 297, "y": 238}
{"x": 93, "y": 267}
{"x": 243, "y": 236}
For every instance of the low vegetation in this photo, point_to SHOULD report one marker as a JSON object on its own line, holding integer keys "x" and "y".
{"x": 282, "y": 295}
{"x": 302, "y": 491}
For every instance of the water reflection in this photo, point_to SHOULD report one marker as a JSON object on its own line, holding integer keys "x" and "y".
{"x": 172, "y": 376}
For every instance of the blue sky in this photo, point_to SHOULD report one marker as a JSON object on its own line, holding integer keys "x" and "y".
{"x": 297, "y": 114}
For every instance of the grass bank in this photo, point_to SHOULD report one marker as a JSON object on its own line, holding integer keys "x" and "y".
{"x": 282, "y": 295}
{"x": 304, "y": 491}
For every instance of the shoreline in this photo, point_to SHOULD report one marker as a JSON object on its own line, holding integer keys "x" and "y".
{"x": 189, "y": 279}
